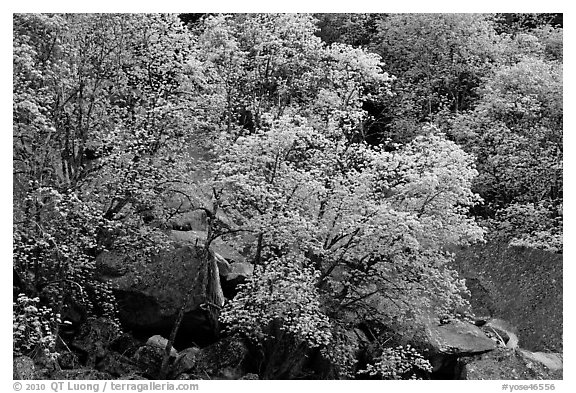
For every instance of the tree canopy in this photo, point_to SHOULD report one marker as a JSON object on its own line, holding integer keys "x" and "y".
{"x": 343, "y": 154}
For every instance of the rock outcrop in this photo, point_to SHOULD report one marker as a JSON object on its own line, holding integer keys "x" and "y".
{"x": 521, "y": 285}
{"x": 151, "y": 296}
{"x": 457, "y": 338}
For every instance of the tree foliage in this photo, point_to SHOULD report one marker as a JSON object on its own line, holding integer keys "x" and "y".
{"x": 342, "y": 154}
{"x": 98, "y": 121}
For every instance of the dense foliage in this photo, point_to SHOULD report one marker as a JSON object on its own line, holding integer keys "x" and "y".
{"x": 342, "y": 153}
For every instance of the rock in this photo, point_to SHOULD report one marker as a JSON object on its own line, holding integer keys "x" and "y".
{"x": 194, "y": 220}
{"x": 507, "y": 364}
{"x": 551, "y": 360}
{"x": 151, "y": 296}
{"x": 443, "y": 344}
{"x": 81, "y": 373}
{"x": 95, "y": 338}
{"x": 160, "y": 342}
{"x": 111, "y": 264}
{"x": 218, "y": 246}
{"x": 185, "y": 361}
{"x": 23, "y": 368}
{"x": 457, "y": 338}
{"x": 358, "y": 340}
{"x": 524, "y": 286}
{"x": 149, "y": 360}
{"x": 236, "y": 274}
{"x": 504, "y": 331}
{"x": 224, "y": 267}
{"x": 225, "y": 359}
{"x": 240, "y": 270}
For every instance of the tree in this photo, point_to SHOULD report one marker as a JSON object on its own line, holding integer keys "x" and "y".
{"x": 365, "y": 227}
{"x": 439, "y": 61}
{"x": 274, "y": 64}
{"x": 99, "y": 128}
{"x": 344, "y": 231}
{"x": 516, "y": 133}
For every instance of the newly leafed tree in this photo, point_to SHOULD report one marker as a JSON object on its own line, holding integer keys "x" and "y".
{"x": 99, "y": 130}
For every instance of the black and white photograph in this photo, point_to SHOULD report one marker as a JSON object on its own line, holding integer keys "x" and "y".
{"x": 286, "y": 196}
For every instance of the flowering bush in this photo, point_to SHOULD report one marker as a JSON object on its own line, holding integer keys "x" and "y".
{"x": 398, "y": 363}
{"x": 280, "y": 293}
{"x": 34, "y": 327}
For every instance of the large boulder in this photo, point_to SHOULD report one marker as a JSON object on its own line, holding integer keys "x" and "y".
{"x": 150, "y": 356}
{"x": 236, "y": 273}
{"x": 111, "y": 264}
{"x": 149, "y": 360}
{"x": 519, "y": 284}
{"x": 444, "y": 343}
{"x": 458, "y": 338}
{"x": 218, "y": 246}
{"x": 193, "y": 220}
{"x": 185, "y": 361}
{"x": 158, "y": 341}
{"x": 233, "y": 266}
{"x": 151, "y": 295}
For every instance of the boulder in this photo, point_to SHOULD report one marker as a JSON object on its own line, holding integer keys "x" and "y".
{"x": 444, "y": 344}
{"x": 111, "y": 264}
{"x": 503, "y": 331}
{"x": 239, "y": 270}
{"x": 218, "y": 246}
{"x": 193, "y": 220}
{"x": 160, "y": 342}
{"x": 520, "y": 284}
{"x": 224, "y": 267}
{"x": 151, "y": 296}
{"x": 149, "y": 360}
{"x": 185, "y": 361}
{"x": 457, "y": 338}
{"x": 23, "y": 368}
{"x": 236, "y": 274}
